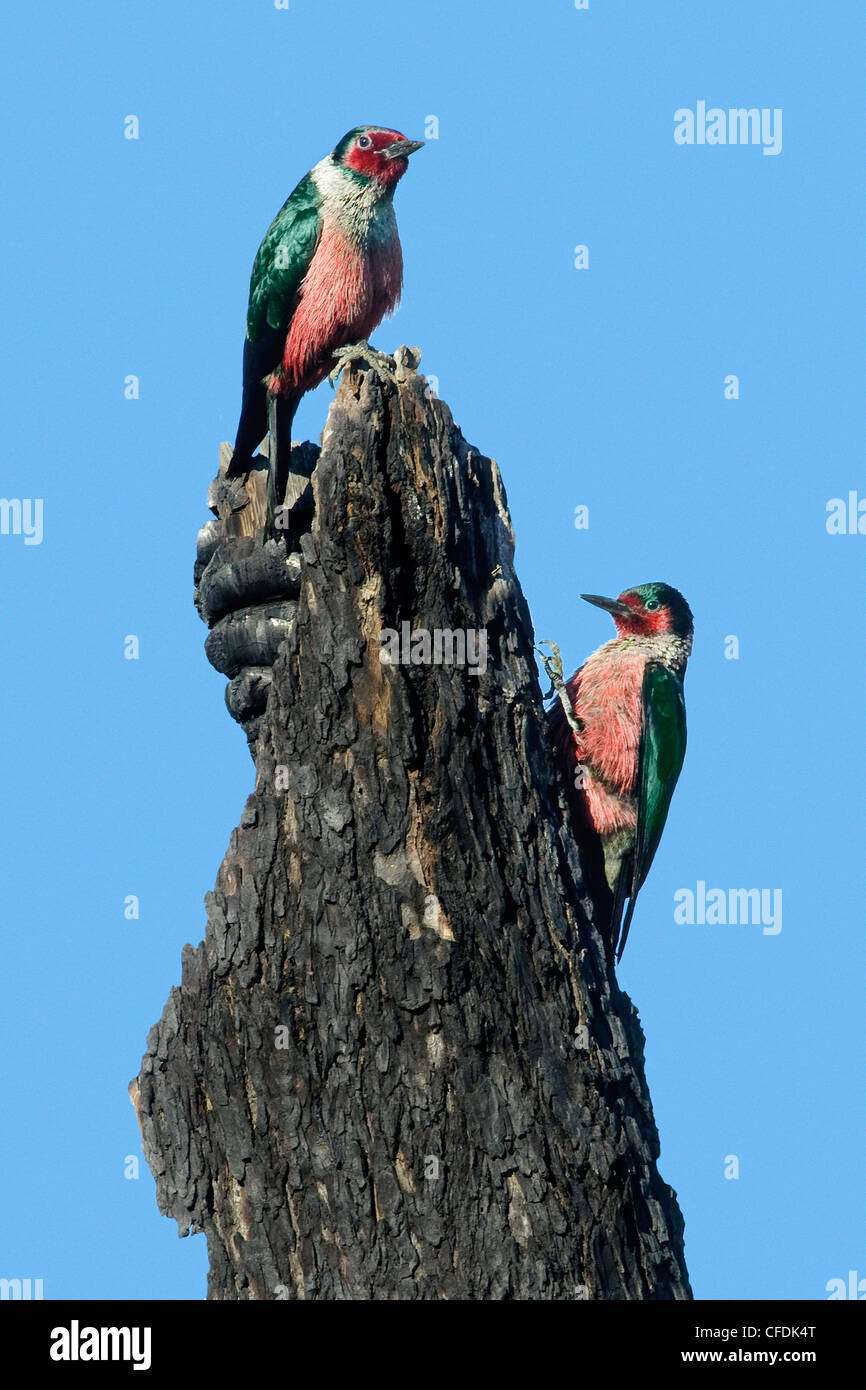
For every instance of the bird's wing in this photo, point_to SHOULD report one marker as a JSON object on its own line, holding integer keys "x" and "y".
{"x": 662, "y": 750}
{"x": 281, "y": 263}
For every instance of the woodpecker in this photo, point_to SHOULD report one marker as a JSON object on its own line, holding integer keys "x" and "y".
{"x": 329, "y": 269}
{"x": 623, "y": 765}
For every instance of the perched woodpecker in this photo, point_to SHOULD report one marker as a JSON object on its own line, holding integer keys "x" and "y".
{"x": 327, "y": 272}
{"x": 623, "y": 765}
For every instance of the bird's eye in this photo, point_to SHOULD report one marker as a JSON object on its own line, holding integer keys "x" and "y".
{"x": 364, "y": 142}
{"x": 651, "y": 605}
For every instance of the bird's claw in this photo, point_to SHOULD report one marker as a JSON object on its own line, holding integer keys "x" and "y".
{"x": 553, "y": 667}
{"x": 553, "y": 663}
{"x": 382, "y": 364}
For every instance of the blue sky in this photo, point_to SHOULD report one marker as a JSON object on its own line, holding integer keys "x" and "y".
{"x": 601, "y": 387}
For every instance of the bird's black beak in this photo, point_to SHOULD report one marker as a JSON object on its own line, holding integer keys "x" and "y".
{"x": 610, "y": 605}
{"x": 401, "y": 149}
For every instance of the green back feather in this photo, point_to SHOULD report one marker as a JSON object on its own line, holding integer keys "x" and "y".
{"x": 283, "y": 259}
{"x": 662, "y": 750}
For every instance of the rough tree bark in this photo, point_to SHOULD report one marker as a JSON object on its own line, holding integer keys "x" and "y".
{"x": 399, "y": 1064}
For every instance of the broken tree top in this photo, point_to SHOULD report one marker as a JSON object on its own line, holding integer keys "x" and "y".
{"x": 398, "y": 1065}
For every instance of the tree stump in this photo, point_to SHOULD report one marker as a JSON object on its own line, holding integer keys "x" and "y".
{"x": 399, "y": 1064}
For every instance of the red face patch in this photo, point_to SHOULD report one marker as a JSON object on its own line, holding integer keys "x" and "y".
{"x": 366, "y": 157}
{"x": 644, "y": 622}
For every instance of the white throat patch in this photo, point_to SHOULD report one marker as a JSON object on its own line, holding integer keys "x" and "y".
{"x": 362, "y": 209}
{"x": 668, "y": 648}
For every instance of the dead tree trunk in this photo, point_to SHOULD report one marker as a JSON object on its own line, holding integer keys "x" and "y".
{"x": 399, "y": 1065}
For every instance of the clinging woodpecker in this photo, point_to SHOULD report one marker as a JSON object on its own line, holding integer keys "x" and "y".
{"x": 623, "y": 765}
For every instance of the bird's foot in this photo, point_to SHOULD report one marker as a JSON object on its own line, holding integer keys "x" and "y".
{"x": 382, "y": 364}
{"x": 553, "y": 666}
